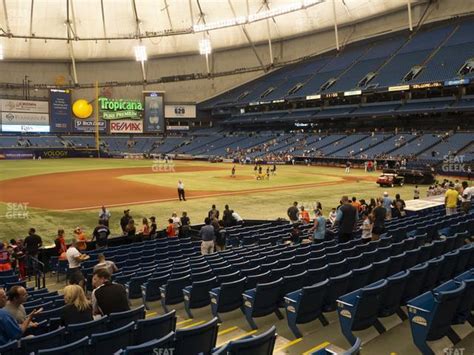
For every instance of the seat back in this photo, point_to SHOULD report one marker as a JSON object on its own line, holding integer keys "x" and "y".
{"x": 338, "y": 285}
{"x": 393, "y": 293}
{"x": 230, "y": 296}
{"x": 311, "y": 302}
{"x": 368, "y": 306}
{"x": 266, "y": 298}
{"x": 337, "y": 268}
{"x": 396, "y": 264}
{"x": 253, "y": 280}
{"x": 411, "y": 258}
{"x": 431, "y": 279}
{"x": 44, "y": 341}
{"x": 293, "y": 283}
{"x": 81, "y": 330}
{"x": 201, "y": 339}
{"x": 149, "y": 347}
{"x": 379, "y": 270}
{"x": 234, "y": 276}
{"x": 415, "y": 282}
{"x": 199, "y": 296}
{"x": 112, "y": 341}
{"x": 155, "y": 328}
{"x": 262, "y": 344}
{"x": 174, "y": 289}
{"x": 79, "y": 347}
{"x": 315, "y": 276}
{"x": 120, "y": 319}
{"x": 449, "y": 266}
{"x": 360, "y": 277}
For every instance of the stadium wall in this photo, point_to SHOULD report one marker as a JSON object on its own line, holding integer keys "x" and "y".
{"x": 223, "y": 61}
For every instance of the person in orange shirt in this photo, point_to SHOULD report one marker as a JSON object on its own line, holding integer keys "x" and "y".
{"x": 304, "y": 216}
{"x": 356, "y": 204}
{"x": 5, "y": 263}
{"x": 171, "y": 230}
{"x": 60, "y": 245}
{"x": 81, "y": 239}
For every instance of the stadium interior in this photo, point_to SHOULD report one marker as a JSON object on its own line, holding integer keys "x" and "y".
{"x": 328, "y": 93}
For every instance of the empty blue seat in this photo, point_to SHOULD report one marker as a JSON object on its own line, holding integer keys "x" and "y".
{"x": 79, "y": 347}
{"x": 172, "y": 291}
{"x": 201, "y": 276}
{"x": 449, "y": 266}
{"x": 227, "y": 297}
{"x": 10, "y": 348}
{"x": 431, "y": 279}
{"x": 383, "y": 253}
{"x": 151, "y": 289}
{"x": 45, "y": 341}
{"x": 431, "y": 315}
{"x": 414, "y": 285}
{"x": 306, "y": 305}
{"x": 81, "y": 330}
{"x": 360, "y": 277}
{"x": 411, "y": 258}
{"x": 120, "y": 319}
{"x": 261, "y": 301}
{"x": 463, "y": 312}
{"x": 50, "y": 313}
{"x": 379, "y": 270}
{"x": 353, "y": 262}
{"x": 262, "y": 344}
{"x": 317, "y": 275}
{"x": 155, "y": 327}
{"x": 396, "y": 264}
{"x": 337, "y": 268}
{"x": 253, "y": 280}
{"x": 438, "y": 248}
{"x": 392, "y": 295}
{"x": 337, "y": 287}
{"x": 134, "y": 286}
{"x": 292, "y": 283}
{"x": 463, "y": 258}
{"x": 297, "y": 268}
{"x": 112, "y": 341}
{"x": 200, "y": 339}
{"x": 149, "y": 347}
{"x": 425, "y": 253}
{"x": 317, "y": 262}
{"x": 197, "y": 295}
{"x": 358, "y": 310}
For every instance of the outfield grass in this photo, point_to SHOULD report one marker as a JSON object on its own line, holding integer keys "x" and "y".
{"x": 250, "y": 205}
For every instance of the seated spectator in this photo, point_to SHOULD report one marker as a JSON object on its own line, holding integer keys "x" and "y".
{"x": 9, "y": 329}
{"x": 107, "y": 297}
{"x": 207, "y": 235}
{"x": 101, "y": 235}
{"x": 5, "y": 263}
{"x": 295, "y": 234}
{"x": 77, "y": 309}
{"x": 105, "y": 264}
{"x": 17, "y": 295}
{"x": 60, "y": 245}
{"x": 332, "y": 216}
{"x": 170, "y": 230}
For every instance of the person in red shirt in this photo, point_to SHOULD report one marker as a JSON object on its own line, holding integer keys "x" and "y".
{"x": 171, "y": 230}
{"x": 5, "y": 263}
{"x": 304, "y": 216}
{"x": 60, "y": 245}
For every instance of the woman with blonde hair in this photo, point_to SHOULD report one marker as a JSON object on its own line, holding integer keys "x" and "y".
{"x": 77, "y": 309}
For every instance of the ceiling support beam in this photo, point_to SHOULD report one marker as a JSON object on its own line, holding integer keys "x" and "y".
{"x": 70, "y": 45}
{"x": 5, "y": 12}
{"x": 31, "y": 16}
{"x": 335, "y": 23}
{"x": 137, "y": 29}
{"x": 104, "y": 28}
{"x": 410, "y": 22}
{"x": 249, "y": 40}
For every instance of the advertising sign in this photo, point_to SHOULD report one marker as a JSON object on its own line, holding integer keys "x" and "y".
{"x": 154, "y": 115}
{"x": 180, "y": 111}
{"x": 126, "y": 126}
{"x": 19, "y": 118}
{"x": 118, "y": 109}
{"x": 24, "y": 128}
{"x": 24, "y": 106}
{"x": 89, "y": 125}
{"x": 60, "y": 102}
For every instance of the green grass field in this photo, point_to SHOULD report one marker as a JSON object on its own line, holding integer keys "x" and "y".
{"x": 250, "y": 204}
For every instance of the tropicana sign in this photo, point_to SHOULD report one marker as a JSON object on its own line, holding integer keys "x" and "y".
{"x": 120, "y": 109}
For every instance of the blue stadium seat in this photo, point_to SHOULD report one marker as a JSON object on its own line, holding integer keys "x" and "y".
{"x": 227, "y": 297}
{"x": 432, "y": 313}
{"x": 464, "y": 310}
{"x": 149, "y": 347}
{"x": 201, "y": 339}
{"x": 120, "y": 319}
{"x": 358, "y": 310}
{"x": 262, "y": 301}
{"x": 354, "y": 262}
{"x": 262, "y": 344}
{"x": 151, "y": 289}
{"x": 317, "y": 262}
{"x": 465, "y": 253}
{"x": 134, "y": 286}
{"x": 306, "y": 305}
{"x": 337, "y": 268}
{"x": 415, "y": 282}
{"x": 10, "y": 348}
{"x": 392, "y": 295}
{"x": 172, "y": 291}
{"x": 155, "y": 327}
{"x": 396, "y": 264}
{"x": 81, "y": 330}
{"x": 197, "y": 295}
{"x": 360, "y": 277}
{"x": 411, "y": 258}
{"x": 379, "y": 270}
{"x": 438, "y": 248}
{"x": 79, "y": 347}
{"x": 253, "y": 280}
{"x": 383, "y": 253}
{"x": 449, "y": 266}
{"x": 337, "y": 287}
{"x": 297, "y": 268}
{"x": 431, "y": 279}
{"x": 292, "y": 283}
{"x": 425, "y": 253}
{"x": 317, "y": 275}
{"x": 201, "y": 276}
{"x": 50, "y": 313}
{"x": 45, "y": 341}
{"x": 233, "y": 276}
{"x": 112, "y": 341}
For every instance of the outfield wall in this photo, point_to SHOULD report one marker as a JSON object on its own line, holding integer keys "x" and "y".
{"x": 45, "y": 153}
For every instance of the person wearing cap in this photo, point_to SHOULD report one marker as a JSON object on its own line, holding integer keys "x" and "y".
{"x": 124, "y": 221}
{"x": 387, "y": 204}
{"x": 451, "y": 200}
{"x": 181, "y": 194}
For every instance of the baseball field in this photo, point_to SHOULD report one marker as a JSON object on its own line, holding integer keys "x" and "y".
{"x": 66, "y": 193}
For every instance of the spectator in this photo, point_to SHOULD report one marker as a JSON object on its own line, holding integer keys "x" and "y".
{"x": 107, "y": 297}
{"x": 5, "y": 263}
{"x": 104, "y": 215}
{"x": 131, "y": 230}
{"x": 60, "y": 245}
{"x": 236, "y": 217}
{"x": 372, "y": 205}
{"x": 185, "y": 225}
{"x": 32, "y": 244}
{"x": 221, "y": 237}
{"x": 213, "y": 213}
{"x": 101, "y": 235}
{"x": 80, "y": 238}
{"x": 153, "y": 227}
{"x": 9, "y": 329}
{"x": 416, "y": 193}
{"x": 145, "y": 231}
{"x": 295, "y": 234}
{"x": 124, "y": 221}
{"x": 207, "y": 235}
{"x": 319, "y": 227}
{"x": 176, "y": 221}
{"x": 399, "y": 207}
{"x": 304, "y": 216}
{"x": 379, "y": 215}
{"x": 387, "y": 204}
{"x": 451, "y": 200}
{"x": 227, "y": 217}
{"x": 466, "y": 197}
{"x": 13, "y": 252}
{"x": 366, "y": 228}
{"x": 74, "y": 259}
{"x": 356, "y": 203}
{"x": 170, "y": 230}
{"x": 293, "y": 213}
{"x": 77, "y": 308}
{"x": 21, "y": 257}
{"x": 346, "y": 220}
{"x": 105, "y": 264}
{"x": 17, "y": 295}
{"x": 332, "y": 216}
{"x": 181, "y": 192}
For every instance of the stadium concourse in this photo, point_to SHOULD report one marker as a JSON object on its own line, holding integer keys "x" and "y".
{"x": 290, "y": 113}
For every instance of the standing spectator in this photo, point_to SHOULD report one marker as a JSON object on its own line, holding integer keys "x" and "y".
{"x": 104, "y": 215}
{"x": 185, "y": 225}
{"x": 170, "y": 230}
{"x": 346, "y": 220}
{"x": 105, "y": 264}
{"x": 131, "y": 230}
{"x": 466, "y": 197}
{"x": 379, "y": 215}
{"x": 176, "y": 221}
{"x": 366, "y": 228}
{"x": 207, "y": 235}
{"x": 416, "y": 193}
{"x": 74, "y": 259}
{"x": 60, "y": 245}
{"x": 227, "y": 216}
{"x": 387, "y": 204}
{"x": 145, "y": 231}
{"x": 21, "y": 257}
{"x": 372, "y": 205}
{"x": 32, "y": 244}
{"x": 5, "y": 263}
{"x": 356, "y": 203}
{"x": 451, "y": 200}
{"x": 124, "y": 221}
{"x": 213, "y": 213}
{"x": 221, "y": 237}
{"x": 304, "y": 216}
{"x": 399, "y": 207}
{"x": 293, "y": 213}
{"x": 77, "y": 308}
{"x": 319, "y": 227}
{"x": 107, "y": 297}
{"x": 101, "y": 235}
{"x": 181, "y": 193}
{"x": 348, "y": 167}
{"x": 236, "y": 217}
{"x": 80, "y": 238}
{"x": 13, "y": 251}
{"x": 153, "y": 226}
{"x": 332, "y": 216}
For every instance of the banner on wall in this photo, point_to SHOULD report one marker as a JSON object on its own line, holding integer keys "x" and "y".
{"x": 180, "y": 111}
{"x": 154, "y": 111}
{"x": 24, "y": 128}
{"x": 24, "y": 106}
{"x": 89, "y": 125}
{"x": 60, "y": 103}
{"x": 126, "y": 126}
{"x": 19, "y": 118}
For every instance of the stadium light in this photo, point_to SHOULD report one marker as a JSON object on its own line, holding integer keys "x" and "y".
{"x": 1, "y": 52}
{"x": 140, "y": 53}
{"x": 205, "y": 47}
{"x": 242, "y": 20}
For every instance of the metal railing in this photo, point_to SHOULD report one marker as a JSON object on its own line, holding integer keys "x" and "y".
{"x": 39, "y": 272}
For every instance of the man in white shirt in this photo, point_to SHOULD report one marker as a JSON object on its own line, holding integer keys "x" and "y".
{"x": 237, "y": 217}
{"x": 104, "y": 215}
{"x": 74, "y": 259}
{"x": 181, "y": 191}
{"x": 466, "y": 197}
